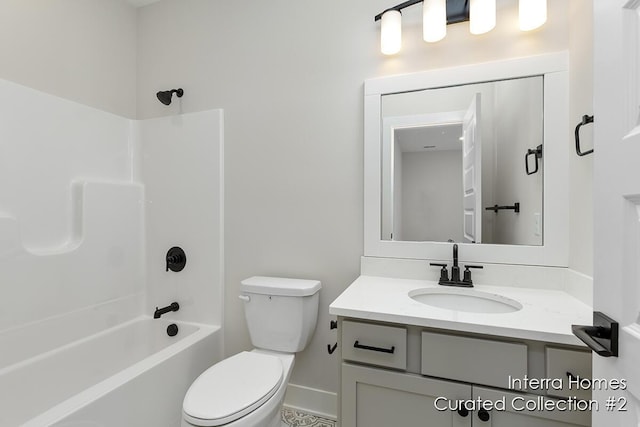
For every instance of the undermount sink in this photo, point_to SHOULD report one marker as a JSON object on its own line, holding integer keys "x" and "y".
{"x": 467, "y": 300}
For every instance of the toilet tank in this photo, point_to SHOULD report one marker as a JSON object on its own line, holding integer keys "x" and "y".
{"x": 281, "y": 313}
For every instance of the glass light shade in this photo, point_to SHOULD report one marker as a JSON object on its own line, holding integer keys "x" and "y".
{"x": 533, "y": 14}
{"x": 434, "y": 20}
{"x": 482, "y": 16}
{"x": 391, "y": 32}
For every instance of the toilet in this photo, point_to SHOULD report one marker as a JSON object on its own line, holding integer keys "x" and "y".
{"x": 247, "y": 390}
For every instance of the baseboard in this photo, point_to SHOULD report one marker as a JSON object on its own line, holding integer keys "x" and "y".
{"x": 312, "y": 401}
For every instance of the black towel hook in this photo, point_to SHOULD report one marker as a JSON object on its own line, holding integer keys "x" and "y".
{"x": 585, "y": 120}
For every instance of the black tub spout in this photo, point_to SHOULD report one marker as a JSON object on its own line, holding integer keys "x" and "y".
{"x": 174, "y": 306}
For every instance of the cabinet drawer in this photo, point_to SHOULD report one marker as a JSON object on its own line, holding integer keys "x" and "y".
{"x": 560, "y": 364}
{"x": 374, "y": 344}
{"x": 473, "y": 360}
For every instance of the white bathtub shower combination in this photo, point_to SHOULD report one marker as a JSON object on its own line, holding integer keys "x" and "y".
{"x": 131, "y": 374}
{"x": 83, "y": 239}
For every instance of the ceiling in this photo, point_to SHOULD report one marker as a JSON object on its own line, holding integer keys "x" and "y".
{"x": 440, "y": 137}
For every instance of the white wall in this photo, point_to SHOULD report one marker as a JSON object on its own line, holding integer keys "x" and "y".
{"x": 397, "y": 231}
{"x": 82, "y": 50}
{"x": 517, "y": 128}
{"x": 581, "y": 103}
{"x": 289, "y": 75}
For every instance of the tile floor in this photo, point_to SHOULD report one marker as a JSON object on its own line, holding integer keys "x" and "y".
{"x": 294, "y": 418}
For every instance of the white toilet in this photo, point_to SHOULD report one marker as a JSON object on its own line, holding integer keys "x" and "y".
{"x": 247, "y": 390}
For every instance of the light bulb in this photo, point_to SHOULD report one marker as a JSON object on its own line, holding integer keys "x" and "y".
{"x": 533, "y": 14}
{"x": 482, "y": 16}
{"x": 391, "y": 32}
{"x": 434, "y": 20}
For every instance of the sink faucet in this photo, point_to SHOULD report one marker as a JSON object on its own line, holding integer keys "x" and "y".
{"x": 466, "y": 281}
{"x": 455, "y": 270}
{"x": 174, "y": 306}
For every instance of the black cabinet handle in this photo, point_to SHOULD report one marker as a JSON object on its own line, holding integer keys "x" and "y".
{"x": 483, "y": 414}
{"x": 368, "y": 347}
{"x": 463, "y": 412}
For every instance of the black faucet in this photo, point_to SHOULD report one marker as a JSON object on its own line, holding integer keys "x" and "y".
{"x": 174, "y": 306}
{"x": 455, "y": 270}
{"x": 466, "y": 281}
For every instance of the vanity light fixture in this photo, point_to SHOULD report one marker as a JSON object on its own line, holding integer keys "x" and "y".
{"x": 437, "y": 14}
{"x": 434, "y": 20}
{"x": 391, "y": 32}
{"x": 482, "y": 16}
{"x": 532, "y": 14}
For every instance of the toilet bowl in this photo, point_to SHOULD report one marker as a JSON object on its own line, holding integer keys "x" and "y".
{"x": 245, "y": 390}
{"x": 248, "y": 389}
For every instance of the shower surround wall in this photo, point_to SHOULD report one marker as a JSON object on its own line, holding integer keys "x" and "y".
{"x": 182, "y": 168}
{"x": 71, "y": 213}
{"x": 72, "y": 210}
{"x": 79, "y": 230}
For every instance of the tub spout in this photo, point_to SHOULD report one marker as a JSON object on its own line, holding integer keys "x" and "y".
{"x": 174, "y": 306}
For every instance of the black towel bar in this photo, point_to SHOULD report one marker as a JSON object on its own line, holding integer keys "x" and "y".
{"x": 496, "y": 208}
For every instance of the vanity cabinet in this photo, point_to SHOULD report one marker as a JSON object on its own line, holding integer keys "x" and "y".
{"x": 392, "y": 375}
{"x": 382, "y": 398}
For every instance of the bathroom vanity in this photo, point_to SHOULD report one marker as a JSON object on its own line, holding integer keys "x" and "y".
{"x": 407, "y": 362}
{"x": 475, "y": 155}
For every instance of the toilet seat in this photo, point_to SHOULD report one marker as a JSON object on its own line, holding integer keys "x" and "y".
{"x": 232, "y": 389}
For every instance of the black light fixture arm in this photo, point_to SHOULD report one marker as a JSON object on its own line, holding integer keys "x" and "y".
{"x": 457, "y": 10}
{"x": 398, "y": 8}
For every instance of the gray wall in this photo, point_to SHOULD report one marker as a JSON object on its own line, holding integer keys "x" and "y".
{"x": 432, "y": 196}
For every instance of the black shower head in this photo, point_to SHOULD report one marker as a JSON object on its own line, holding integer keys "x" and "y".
{"x": 165, "y": 95}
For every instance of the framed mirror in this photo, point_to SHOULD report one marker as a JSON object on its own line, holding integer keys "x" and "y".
{"x": 475, "y": 155}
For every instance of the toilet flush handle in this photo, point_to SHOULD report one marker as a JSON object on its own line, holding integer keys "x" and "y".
{"x": 245, "y": 298}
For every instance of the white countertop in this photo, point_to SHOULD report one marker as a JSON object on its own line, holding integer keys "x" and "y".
{"x": 546, "y": 315}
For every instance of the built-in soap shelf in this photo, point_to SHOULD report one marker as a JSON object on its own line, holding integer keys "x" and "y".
{"x": 98, "y": 208}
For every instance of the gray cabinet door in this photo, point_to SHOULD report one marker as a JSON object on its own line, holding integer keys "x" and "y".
{"x": 382, "y": 398}
{"x": 527, "y": 410}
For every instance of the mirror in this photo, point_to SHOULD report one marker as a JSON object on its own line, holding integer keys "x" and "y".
{"x": 478, "y": 122}
{"x": 461, "y": 163}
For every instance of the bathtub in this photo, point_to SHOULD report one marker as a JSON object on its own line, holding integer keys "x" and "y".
{"x": 132, "y": 374}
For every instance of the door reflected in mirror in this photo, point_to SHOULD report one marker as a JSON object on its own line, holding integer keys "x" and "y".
{"x": 464, "y": 163}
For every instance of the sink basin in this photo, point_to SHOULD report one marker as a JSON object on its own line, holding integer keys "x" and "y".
{"x": 467, "y": 300}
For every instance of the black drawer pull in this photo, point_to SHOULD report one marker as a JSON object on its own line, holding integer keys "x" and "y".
{"x": 368, "y": 347}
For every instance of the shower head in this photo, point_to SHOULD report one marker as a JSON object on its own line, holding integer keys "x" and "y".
{"x": 165, "y": 95}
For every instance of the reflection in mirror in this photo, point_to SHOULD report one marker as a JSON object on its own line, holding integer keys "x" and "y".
{"x": 454, "y": 163}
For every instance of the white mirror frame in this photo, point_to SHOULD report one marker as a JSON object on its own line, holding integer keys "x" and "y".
{"x": 557, "y": 142}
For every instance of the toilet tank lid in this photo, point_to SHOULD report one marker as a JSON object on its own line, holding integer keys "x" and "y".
{"x": 280, "y": 286}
